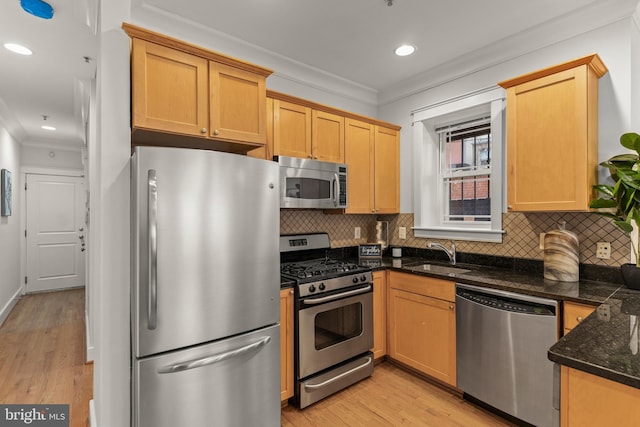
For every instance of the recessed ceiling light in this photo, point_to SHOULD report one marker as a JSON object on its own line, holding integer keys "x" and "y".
{"x": 18, "y": 48}
{"x": 405, "y": 49}
{"x": 45, "y": 127}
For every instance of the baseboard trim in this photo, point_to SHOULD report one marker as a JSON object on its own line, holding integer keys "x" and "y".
{"x": 92, "y": 414}
{"x": 90, "y": 349}
{"x": 6, "y": 310}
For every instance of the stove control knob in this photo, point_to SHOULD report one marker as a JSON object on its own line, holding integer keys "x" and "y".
{"x": 363, "y": 278}
{"x": 321, "y": 287}
{"x": 312, "y": 288}
{"x": 354, "y": 280}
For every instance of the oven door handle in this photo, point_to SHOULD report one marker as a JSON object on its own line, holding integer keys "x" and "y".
{"x": 336, "y": 378}
{"x": 338, "y": 296}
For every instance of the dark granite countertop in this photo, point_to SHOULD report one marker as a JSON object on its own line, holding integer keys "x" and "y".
{"x": 606, "y": 344}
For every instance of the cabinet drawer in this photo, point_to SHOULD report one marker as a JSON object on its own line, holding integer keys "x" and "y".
{"x": 427, "y": 286}
{"x": 575, "y": 313}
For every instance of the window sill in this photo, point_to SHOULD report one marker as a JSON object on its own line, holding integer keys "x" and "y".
{"x": 451, "y": 233}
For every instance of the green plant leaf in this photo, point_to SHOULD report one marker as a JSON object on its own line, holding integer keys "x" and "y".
{"x": 631, "y": 141}
{"x": 605, "y": 189}
{"x": 624, "y": 226}
{"x": 603, "y": 204}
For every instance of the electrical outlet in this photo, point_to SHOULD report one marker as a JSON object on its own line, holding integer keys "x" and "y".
{"x": 356, "y": 233}
{"x": 542, "y": 240}
{"x": 603, "y": 250}
{"x": 402, "y": 232}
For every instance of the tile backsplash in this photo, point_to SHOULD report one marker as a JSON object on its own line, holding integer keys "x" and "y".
{"x": 521, "y": 238}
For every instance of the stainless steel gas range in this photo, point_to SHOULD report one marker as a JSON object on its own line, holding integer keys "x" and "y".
{"x": 333, "y": 318}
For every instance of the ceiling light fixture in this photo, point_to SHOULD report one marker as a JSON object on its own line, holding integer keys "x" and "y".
{"x": 46, "y": 127}
{"x": 37, "y": 8}
{"x": 18, "y": 48}
{"x": 405, "y": 49}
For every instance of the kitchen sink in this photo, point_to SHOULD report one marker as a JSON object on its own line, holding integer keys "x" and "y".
{"x": 438, "y": 269}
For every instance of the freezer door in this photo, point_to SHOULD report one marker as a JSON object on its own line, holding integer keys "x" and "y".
{"x": 233, "y": 382}
{"x": 205, "y": 237}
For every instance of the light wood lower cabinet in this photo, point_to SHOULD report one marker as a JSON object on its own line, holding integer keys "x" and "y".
{"x": 589, "y": 400}
{"x": 379, "y": 314}
{"x": 575, "y": 313}
{"x": 422, "y": 324}
{"x": 286, "y": 344}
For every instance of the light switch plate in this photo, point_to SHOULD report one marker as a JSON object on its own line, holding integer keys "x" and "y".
{"x": 402, "y": 232}
{"x": 356, "y": 233}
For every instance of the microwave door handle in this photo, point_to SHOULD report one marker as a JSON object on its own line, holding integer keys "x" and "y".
{"x": 336, "y": 189}
{"x": 152, "y": 246}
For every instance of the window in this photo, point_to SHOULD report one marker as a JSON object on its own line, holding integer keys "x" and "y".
{"x": 465, "y": 170}
{"x": 459, "y": 168}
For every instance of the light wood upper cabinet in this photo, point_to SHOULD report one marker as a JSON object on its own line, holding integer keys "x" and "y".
{"x": 552, "y": 131}
{"x": 359, "y": 156}
{"x": 300, "y": 131}
{"x": 379, "y": 314}
{"x": 187, "y": 96}
{"x": 372, "y": 155}
{"x": 291, "y": 129}
{"x": 238, "y": 101}
{"x": 169, "y": 89}
{"x": 421, "y": 324}
{"x": 387, "y": 170}
{"x": 286, "y": 344}
{"x": 327, "y": 136}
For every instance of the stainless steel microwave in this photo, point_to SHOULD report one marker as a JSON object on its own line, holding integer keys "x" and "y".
{"x": 312, "y": 184}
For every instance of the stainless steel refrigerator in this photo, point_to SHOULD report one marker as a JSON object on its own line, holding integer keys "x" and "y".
{"x": 204, "y": 289}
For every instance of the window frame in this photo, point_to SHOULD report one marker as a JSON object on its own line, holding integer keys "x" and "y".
{"x": 428, "y": 221}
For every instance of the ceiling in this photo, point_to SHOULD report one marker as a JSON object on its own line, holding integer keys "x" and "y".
{"x": 353, "y": 40}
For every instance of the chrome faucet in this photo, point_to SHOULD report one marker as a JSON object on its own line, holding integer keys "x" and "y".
{"x": 451, "y": 253}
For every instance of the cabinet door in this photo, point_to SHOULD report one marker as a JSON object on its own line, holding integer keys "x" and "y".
{"x": 550, "y": 160}
{"x": 387, "y": 170}
{"x": 575, "y": 313}
{"x": 286, "y": 344}
{"x": 359, "y": 140}
{"x": 422, "y": 334}
{"x": 291, "y": 129}
{"x": 589, "y": 400}
{"x": 169, "y": 89}
{"x": 238, "y": 104}
{"x": 327, "y": 137}
{"x": 379, "y": 314}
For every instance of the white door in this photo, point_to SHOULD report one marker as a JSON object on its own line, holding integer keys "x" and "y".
{"x": 55, "y": 232}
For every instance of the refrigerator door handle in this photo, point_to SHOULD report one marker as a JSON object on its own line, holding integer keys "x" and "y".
{"x": 152, "y": 213}
{"x": 214, "y": 358}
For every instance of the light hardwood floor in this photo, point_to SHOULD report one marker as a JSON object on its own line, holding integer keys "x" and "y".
{"x": 42, "y": 361}
{"x": 391, "y": 397}
{"x": 42, "y": 354}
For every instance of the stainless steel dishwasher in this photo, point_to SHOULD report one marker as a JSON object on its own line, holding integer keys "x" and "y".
{"x": 502, "y": 339}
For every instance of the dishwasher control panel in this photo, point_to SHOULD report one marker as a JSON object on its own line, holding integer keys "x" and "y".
{"x": 505, "y": 304}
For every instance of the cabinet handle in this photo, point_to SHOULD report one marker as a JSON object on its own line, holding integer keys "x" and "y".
{"x": 450, "y": 306}
{"x": 579, "y": 319}
{"x": 291, "y": 292}
{"x": 203, "y": 130}
{"x": 509, "y": 207}
{"x": 216, "y": 132}
{"x": 309, "y": 156}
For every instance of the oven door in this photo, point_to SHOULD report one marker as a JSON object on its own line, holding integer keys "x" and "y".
{"x": 334, "y": 328}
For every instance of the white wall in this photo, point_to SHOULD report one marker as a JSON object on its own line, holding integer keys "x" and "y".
{"x": 109, "y": 251}
{"x": 611, "y": 42}
{"x": 51, "y": 157}
{"x": 10, "y": 226}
